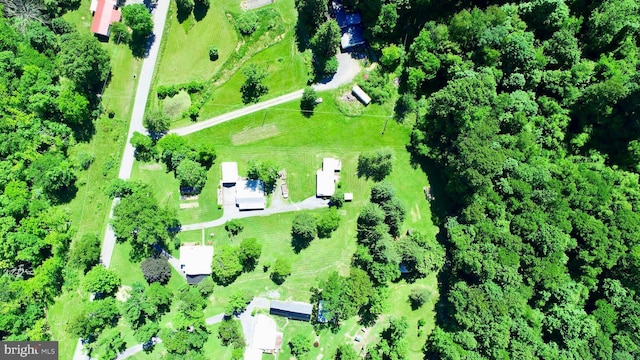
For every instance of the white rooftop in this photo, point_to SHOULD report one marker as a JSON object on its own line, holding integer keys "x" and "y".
{"x": 250, "y": 194}
{"x": 325, "y": 183}
{"x": 229, "y": 172}
{"x": 331, "y": 164}
{"x": 265, "y": 333}
{"x": 196, "y": 259}
{"x": 360, "y": 94}
{"x": 251, "y": 353}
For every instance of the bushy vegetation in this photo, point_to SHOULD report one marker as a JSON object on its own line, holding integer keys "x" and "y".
{"x": 213, "y": 53}
{"x": 375, "y": 164}
{"x": 189, "y": 163}
{"x": 102, "y": 281}
{"x": 230, "y": 333}
{"x": 266, "y": 171}
{"x": 156, "y": 270}
{"x": 230, "y": 261}
{"x": 280, "y": 270}
{"x": 85, "y": 252}
{"x": 138, "y": 219}
{"x": 308, "y": 101}
{"x": 528, "y": 115}
{"x": 300, "y": 345}
{"x": 303, "y": 231}
{"x": 192, "y": 87}
{"x": 187, "y": 336}
{"x": 145, "y": 306}
{"x": 50, "y": 81}
{"x": 247, "y": 22}
{"x": 253, "y": 88}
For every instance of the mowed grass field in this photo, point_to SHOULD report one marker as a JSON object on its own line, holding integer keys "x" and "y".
{"x": 185, "y": 50}
{"x": 90, "y": 208}
{"x": 286, "y": 73}
{"x": 185, "y": 58}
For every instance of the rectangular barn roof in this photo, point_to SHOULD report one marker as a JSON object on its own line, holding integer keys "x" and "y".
{"x": 292, "y": 306}
{"x": 229, "y": 172}
{"x": 361, "y": 95}
{"x": 325, "y": 183}
{"x": 250, "y": 195}
{"x": 331, "y": 164}
{"x": 105, "y": 14}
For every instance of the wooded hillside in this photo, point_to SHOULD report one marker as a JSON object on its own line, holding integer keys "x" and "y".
{"x": 529, "y": 110}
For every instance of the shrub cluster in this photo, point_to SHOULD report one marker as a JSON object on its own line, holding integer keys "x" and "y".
{"x": 192, "y": 87}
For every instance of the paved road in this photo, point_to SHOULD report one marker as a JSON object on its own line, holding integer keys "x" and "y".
{"x": 348, "y": 68}
{"x": 142, "y": 94}
{"x": 233, "y": 213}
{"x": 135, "y": 349}
{"x": 201, "y": 125}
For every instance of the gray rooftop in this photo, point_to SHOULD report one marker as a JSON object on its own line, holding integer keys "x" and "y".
{"x": 294, "y": 306}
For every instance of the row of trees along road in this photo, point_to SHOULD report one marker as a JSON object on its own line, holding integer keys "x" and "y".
{"x": 529, "y": 113}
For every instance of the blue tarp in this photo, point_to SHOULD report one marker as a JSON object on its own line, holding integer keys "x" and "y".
{"x": 345, "y": 18}
{"x": 352, "y": 36}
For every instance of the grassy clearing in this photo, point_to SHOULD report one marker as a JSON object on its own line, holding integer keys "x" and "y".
{"x": 308, "y": 267}
{"x": 66, "y": 307}
{"x": 168, "y": 191}
{"x": 286, "y": 73}
{"x": 180, "y": 64}
{"x": 299, "y": 147}
{"x": 175, "y": 106}
{"x": 185, "y": 56}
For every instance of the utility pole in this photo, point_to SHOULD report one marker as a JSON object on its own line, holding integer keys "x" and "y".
{"x": 264, "y": 117}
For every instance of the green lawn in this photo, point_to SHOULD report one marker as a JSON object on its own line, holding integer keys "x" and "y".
{"x": 185, "y": 51}
{"x": 180, "y": 64}
{"x": 286, "y": 73}
{"x": 168, "y": 192}
{"x": 298, "y": 145}
{"x": 67, "y": 306}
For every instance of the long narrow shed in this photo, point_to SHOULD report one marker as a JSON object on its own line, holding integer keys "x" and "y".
{"x": 292, "y": 310}
{"x": 361, "y": 95}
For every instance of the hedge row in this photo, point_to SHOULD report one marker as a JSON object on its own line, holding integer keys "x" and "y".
{"x": 172, "y": 90}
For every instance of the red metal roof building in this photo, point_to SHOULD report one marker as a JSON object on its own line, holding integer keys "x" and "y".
{"x": 105, "y": 14}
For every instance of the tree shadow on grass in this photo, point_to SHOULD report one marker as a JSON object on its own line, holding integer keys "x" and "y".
{"x": 442, "y": 206}
{"x": 299, "y": 243}
{"x": 64, "y": 196}
{"x": 182, "y": 15}
{"x": 140, "y": 45}
{"x": 200, "y": 10}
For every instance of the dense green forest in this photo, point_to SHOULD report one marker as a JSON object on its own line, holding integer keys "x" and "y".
{"x": 50, "y": 75}
{"x": 528, "y": 111}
